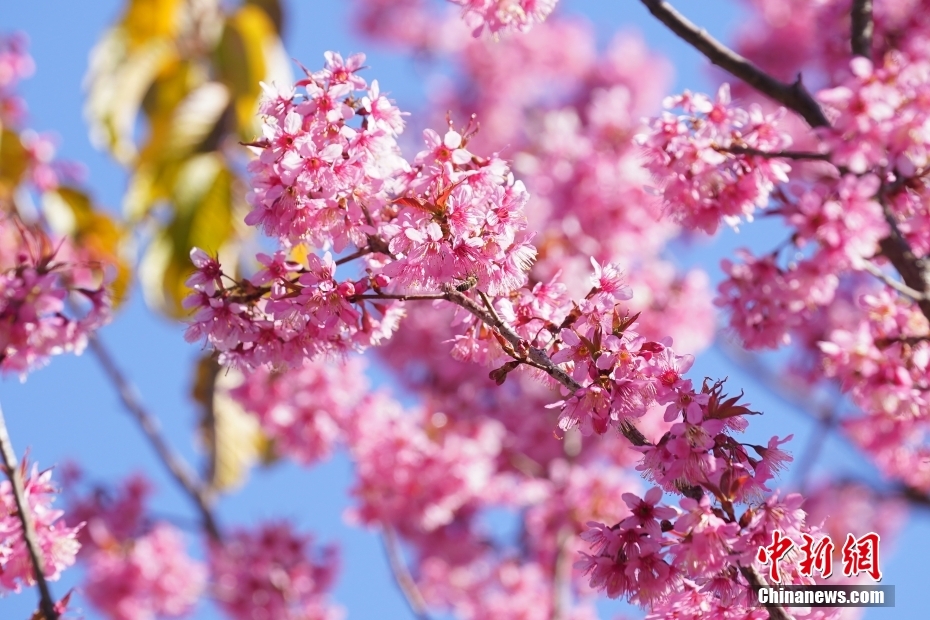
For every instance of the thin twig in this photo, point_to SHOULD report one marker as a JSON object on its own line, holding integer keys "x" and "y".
{"x": 538, "y": 356}
{"x": 11, "y": 467}
{"x": 793, "y": 96}
{"x": 902, "y": 288}
{"x": 862, "y": 27}
{"x": 530, "y": 354}
{"x": 562, "y": 573}
{"x": 357, "y": 254}
{"x": 811, "y": 453}
{"x": 399, "y": 296}
{"x": 487, "y": 304}
{"x": 175, "y": 464}
{"x": 402, "y": 576}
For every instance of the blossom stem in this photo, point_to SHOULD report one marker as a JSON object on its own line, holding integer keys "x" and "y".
{"x": 351, "y": 257}
{"x": 862, "y": 28}
{"x": 793, "y": 96}
{"x": 175, "y": 464}
{"x": 11, "y": 467}
{"x": 402, "y": 576}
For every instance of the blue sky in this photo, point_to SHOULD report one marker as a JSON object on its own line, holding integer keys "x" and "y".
{"x": 68, "y": 410}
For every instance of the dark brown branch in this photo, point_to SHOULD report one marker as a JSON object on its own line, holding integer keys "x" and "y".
{"x": 399, "y": 296}
{"x": 793, "y": 96}
{"x": 913, "y": 270}
{"x": 24, "y": 512}
{"x": 798, "y": 155}
{"x": 402, "y": 576}
{"x": 862, "y": 27}
{"x": 915, "y": 496}
{"x": 756, "y": 581}
{"x": 176, "y": 466}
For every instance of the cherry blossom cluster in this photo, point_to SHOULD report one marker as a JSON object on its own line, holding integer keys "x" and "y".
{"x": 51, "y": 291}
{"x": 325, "y": 156}
{"x": 766, "y": 301}
{"x": 568, "y": 115}
{"x": 855, "y": 202}
{"x": 57, "y": 542}
{"x": 449, "y": 226}
{"x": 270, "y": 572}
{"x": 15, "y": 65}
{"x": 880, "y": 115}
{"x": 693, "y": 561}
{"x": 504, "y": 15}
{"x": 878, "y": 350}
{"x": 304, "y": 410}
{"x": 818, "y": 43}
{"x": 36, "y": 280}
{"x": 449, "y": 217}
{"x": 425, "y": 26}
{"x": 703, "y": 160}
{"x": 419, "y": 476}
{"x": 136, "y": 569}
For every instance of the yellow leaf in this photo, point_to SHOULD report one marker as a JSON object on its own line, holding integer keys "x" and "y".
{"x": 195, "y": 118}
{"x": 148, "y": 19}
{"x": 70, "y": 212}
{"x": 13, "y": 162}
{"x": 118, "y": 79}
{"x": 273, "y": 10}
{"x": 249, "y": 52}
{"x": 232, "y": 437}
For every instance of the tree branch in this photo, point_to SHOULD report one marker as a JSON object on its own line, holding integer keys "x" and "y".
{"x": 175, "y": 464}
{"x": 562, "y": 573}
{"x": 402, "y": 576}
{"x": 914, "y": 270}
{"x": 756, "y": 581}
{"x": 798, "y": 155}
{"x": 530, "y": 354}
{"x": 892, "y": 283}
{"x": 357, "y": 254}
{"x": 862, "y": 28}
{"x": 11, "y": 467}
{"x": 793, "y": 96}
{"x": 537, "y": 356}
